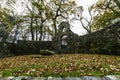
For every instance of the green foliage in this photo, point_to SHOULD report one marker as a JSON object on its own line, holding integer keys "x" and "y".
{"x": 39, "y": 15}
{"x": 3, "y": 49}
{"x": 104, "y": 20}
{"x": 6, "y": 73}
{"x": 96, "y": 50}
{"x": 46, "y": 74}
{"x": 6, "y": 19}
{"x": 37, "y": 66}
{"x": 108, "y": 12}
{"x": 11, "y": 72}
{"x": 108, "y": 47}
{"x": 95, "y": 73}
{"x": 61, "y": 65}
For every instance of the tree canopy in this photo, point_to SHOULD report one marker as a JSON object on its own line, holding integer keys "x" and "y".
{"x": 109, "y": 12}
{"x": 41, "y": 17}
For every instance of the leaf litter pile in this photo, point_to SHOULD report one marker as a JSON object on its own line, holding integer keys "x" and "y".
{"x": 60, "y": 65}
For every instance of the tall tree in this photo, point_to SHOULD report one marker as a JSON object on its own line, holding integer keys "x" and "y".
{"x": 50, "y": 12}
{"x": 86, "y": 22}
{"x": 109, "y": 12}
{"x": 6, "y": 22}
{"x": 42, "y": 15}
{"x": 39, "y": 15}
{"x": 61, "y": 10}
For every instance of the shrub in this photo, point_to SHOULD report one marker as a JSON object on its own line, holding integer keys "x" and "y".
{"x": 95, "y": 50}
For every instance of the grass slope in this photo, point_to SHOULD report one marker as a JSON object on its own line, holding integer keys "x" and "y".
{"x": 60, "y": 65}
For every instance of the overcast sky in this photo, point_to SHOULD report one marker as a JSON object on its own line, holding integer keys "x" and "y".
{"x": 77, "y": 28}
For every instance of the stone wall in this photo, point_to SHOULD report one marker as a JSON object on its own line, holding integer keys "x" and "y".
{"x": 29, "y": 47}
{"x": 70, "y": 39}
{"x": 106, "y": 41}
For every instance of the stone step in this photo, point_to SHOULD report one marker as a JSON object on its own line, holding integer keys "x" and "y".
{"x": 108, "y": 77}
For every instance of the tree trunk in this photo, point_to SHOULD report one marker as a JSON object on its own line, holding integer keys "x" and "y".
{"x": 41, "y": 32}
{"x": 55, "y": 28}
{"x": 31, "y": 28}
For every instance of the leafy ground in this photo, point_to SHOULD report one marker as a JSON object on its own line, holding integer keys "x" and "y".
{"x": 60, "y": 65}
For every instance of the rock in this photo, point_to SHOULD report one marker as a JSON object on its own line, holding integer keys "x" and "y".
{"x": 29, "y": 78}
{"x": 50, "y": 78}
{"x": 46, "y": 52}
{"x": 73, "y": 78}
{"x": 111, "y": 77}
{"x": 91, "y": 78}
{"x": 23, "y": 78}
{"x": 8, "y": 78}
{"x": 108, "y": 77}
{"x": 11, "y": 78}
{"x": 59, "y": 78}
{"x": 40, "y": 78}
